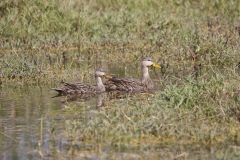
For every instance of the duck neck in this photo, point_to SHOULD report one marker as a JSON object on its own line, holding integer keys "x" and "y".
{"x": 100, "y": 85}
{"x": 145, "y": 74}
{"x": 146, "y": 80}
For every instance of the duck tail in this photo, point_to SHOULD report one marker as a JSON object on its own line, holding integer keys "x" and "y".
{"x": 59, "y": 90}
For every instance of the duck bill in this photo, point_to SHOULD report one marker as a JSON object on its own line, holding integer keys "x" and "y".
{"x": 155, "y": 65}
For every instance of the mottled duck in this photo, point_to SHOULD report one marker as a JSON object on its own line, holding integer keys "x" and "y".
{"x": 83, "y": 89}
{"x": 145, "y": 84}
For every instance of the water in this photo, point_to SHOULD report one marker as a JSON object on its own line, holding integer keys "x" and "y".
{"x": 22, "y": 109}
{"x": 31, "y": 121}
{"x": 32, "y": 126}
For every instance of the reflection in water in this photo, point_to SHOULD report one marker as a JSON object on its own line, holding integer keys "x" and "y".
{"x": 28, "y": 124}
{"x": 33, "y": 125}
{"x": 21, "y": 109}
{"x": 100, "y": 99}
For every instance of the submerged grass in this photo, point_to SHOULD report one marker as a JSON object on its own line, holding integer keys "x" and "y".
{"x": 193, "y": 114}
{"x": 189, "y": 112}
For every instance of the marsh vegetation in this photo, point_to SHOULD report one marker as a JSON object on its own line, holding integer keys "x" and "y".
{"x": 196, "y": 108}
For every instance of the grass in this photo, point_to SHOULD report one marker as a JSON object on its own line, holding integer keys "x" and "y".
{"x": 188, "y": 112}
{"x": 202, "y": 114}
{"x": 183, "y": 34}
{"x": 196, "y": 43}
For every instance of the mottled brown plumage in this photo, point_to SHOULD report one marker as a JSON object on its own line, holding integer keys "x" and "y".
{"x": 131, "y": 84}
{"x": 125, "y": 85}
{"x": 77, "y": 88}
{"x": 83, "y": 89}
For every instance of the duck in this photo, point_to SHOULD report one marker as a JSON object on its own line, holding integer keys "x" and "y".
{"x": 78, "y": 89}
{"x": 145, "y": 84}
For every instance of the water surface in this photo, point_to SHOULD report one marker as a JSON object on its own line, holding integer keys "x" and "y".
{"x": 32, "y": 124}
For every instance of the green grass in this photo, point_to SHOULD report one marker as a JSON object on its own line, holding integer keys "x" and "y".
{"x": 196, "y": 43}
{"x": 202, "y": 112}
{"x": 193, "y": 114}
{"x": 184, "y": 35}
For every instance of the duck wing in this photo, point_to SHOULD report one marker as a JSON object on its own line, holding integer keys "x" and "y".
{"x": 75, "y": 89}
{"x": 124, "y": 85}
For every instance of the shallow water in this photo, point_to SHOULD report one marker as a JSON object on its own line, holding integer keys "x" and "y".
{"x": 21, "y": 110}
{"x": 32, "y": 124}
{"x": 31, "y": 128}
